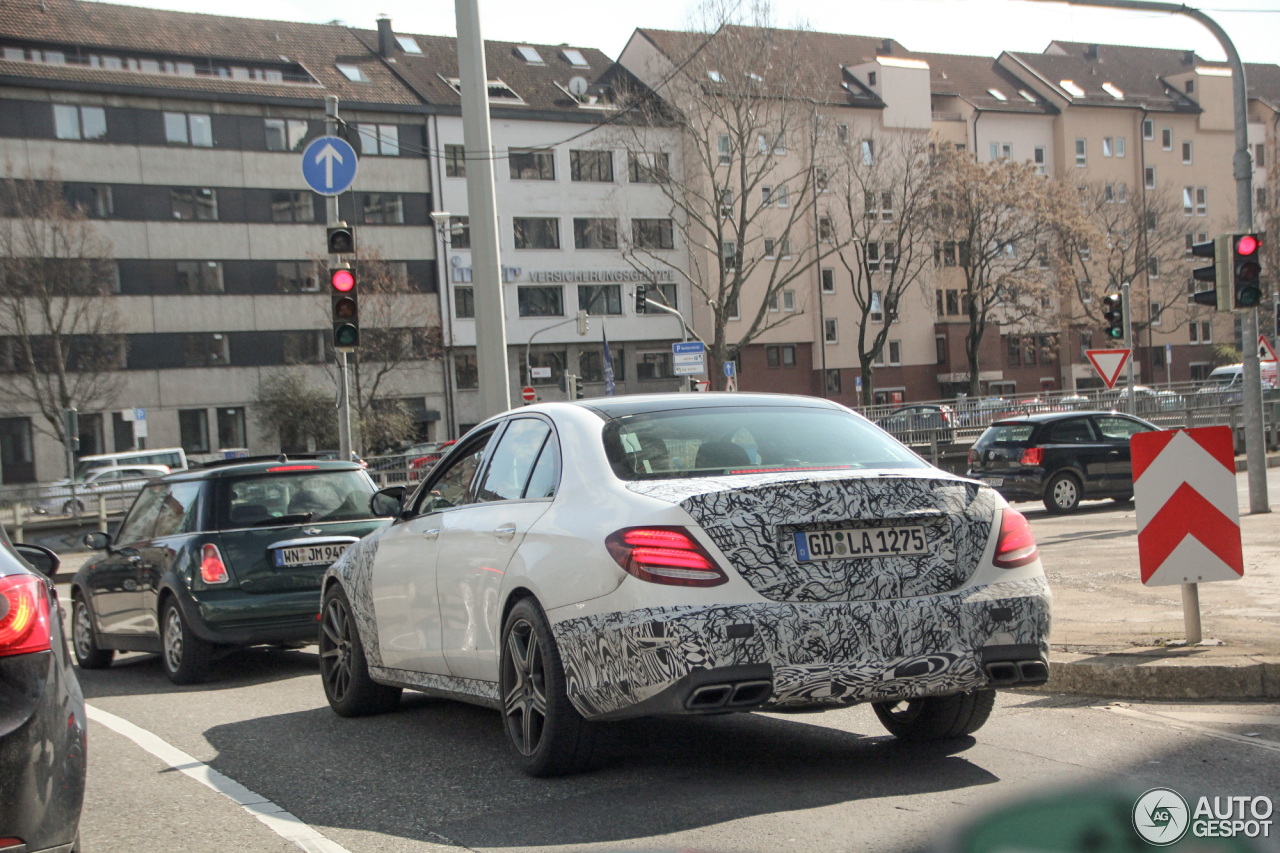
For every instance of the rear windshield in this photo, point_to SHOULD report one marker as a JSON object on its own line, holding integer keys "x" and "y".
{"x": 294, "y": 499}
{"x": 1007, "y": 434}
{"x": 747, "y": 440}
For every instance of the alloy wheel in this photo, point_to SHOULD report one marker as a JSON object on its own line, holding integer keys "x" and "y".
{"x": 524, "y": 676}
{"x": 1064, "y": 493}
{"x": 173, "y": 640}
{"x": 82, "y": 630}
{"x": 335, "y": 649}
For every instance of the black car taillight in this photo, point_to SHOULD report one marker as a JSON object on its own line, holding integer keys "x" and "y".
{"x": 1032, "y": 457}
{"x": 666, "y": 555}
{"x": 24, "y": 615}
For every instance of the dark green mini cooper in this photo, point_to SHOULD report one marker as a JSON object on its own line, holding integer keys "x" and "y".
{"x": 223, "y": 556}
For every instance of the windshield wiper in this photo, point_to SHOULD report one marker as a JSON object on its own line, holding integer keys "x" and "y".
{"x": 294, "y": 518}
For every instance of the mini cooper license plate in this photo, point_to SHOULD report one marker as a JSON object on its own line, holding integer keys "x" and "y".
{"x": 308, "y": 555}
{"x": 860, "y": 542}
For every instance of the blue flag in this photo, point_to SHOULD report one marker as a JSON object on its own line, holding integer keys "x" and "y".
{"x": 608, "y": 363}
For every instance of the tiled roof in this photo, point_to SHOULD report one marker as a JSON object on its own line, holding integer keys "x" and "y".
{"x": 1264, "y": 82}
{"x": 974, "y": 77}
{"x": 1137, "y": 73}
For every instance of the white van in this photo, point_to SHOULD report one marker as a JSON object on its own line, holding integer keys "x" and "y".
{"x": 173, "y": 457}
{"x": 1232, "y": 376}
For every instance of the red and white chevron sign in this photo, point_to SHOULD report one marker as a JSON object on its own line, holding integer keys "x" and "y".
{"x": 1184, "y": 487}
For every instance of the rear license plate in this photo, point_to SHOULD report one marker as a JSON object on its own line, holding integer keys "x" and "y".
{"x": 308, "y": 555}
{"x": 994, "y": 482}
{"x": 860, "y": 542}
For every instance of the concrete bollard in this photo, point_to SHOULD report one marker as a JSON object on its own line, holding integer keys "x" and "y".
{"x": 102, "y": 513}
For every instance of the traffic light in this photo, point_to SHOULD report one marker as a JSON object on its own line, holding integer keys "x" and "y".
{"x": 1246, "y": 269}
{"x": 584, "y": 325}
{"x": 1218, "y": 275}
{"x": 346, "y": 308}
{"x": 640, "y": 298}
{"x": 578, "y": 392}
{"x": 1113, "y": 313}
{"x": 342, "y": 239}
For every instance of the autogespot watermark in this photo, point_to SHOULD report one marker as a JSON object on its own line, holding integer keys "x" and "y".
{"x": 1162, "y": 817}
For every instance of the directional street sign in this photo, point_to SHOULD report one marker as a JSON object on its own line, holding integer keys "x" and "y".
{"x": 689, "y": 358}
{"x": 1108, "y": 363}
{"x": 729, "y": 369}
{"x": 329, "y": 165}
{"x": 1266, "y": 352}
{"x": 1184, "y": 486}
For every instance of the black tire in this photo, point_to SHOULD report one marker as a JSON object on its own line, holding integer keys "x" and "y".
{"x": 548, "y": 736}
{"x": 84, "y": 640}
{"x": 344, "y": 672}
{"x": 186, "y": 658}
{"x": 936, "y": 717}
{"x": 1062, "y": 493}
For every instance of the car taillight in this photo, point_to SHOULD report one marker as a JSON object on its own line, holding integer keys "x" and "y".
{"x": 24, "y": 615}
{"x": 666, "y": 555}
{"x": 1016, "y": 546}
{"x": 973, "y": 456}
{"x": 212, "y": 569}
{"x": 1032, "y": 456}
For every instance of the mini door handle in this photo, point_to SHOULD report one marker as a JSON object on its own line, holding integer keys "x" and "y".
{"x": 431, "y": 534}
{"x": 505, "y": 531}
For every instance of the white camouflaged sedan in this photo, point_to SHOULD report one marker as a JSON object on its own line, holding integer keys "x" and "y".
{"x": 569, "y": 563}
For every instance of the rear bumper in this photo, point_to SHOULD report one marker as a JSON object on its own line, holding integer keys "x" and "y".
{"x": 653, "y": 660}
{"x": 237, "y": 618}
{"x": 1017, "y": 485}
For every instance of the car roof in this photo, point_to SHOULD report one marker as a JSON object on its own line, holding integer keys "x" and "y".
{"x": 249, "y": 469}
{"x": 1047, "y": 417}
{"x": 636, "y": 404}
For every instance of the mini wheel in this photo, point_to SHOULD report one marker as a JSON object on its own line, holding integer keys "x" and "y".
{"x": 186, "y": 657}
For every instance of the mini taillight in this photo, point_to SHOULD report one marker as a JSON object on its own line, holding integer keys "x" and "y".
{"x": 212, "y": 569}
{"x": 1016, "y": 546}
{"x": 24, "y": 615}
{"x": 1032, "y": 456}
{"x": 666, "y": 555}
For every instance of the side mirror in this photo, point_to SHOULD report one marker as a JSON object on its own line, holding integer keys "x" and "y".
{"x": 96, "y": 541}
{"x": 386, "y": 502}
{"x": 41, "y": 559}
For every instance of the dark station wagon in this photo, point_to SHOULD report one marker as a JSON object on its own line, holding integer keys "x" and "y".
{"x": 1060, "y": 458}
{"x": 223, "y": 556}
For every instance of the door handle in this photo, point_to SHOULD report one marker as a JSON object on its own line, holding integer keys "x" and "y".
{"x": 1115, "y": 453}
{"x": 506, "y": 531}
{"x": 135, "y": 559}
{"x": 431, "y": 534}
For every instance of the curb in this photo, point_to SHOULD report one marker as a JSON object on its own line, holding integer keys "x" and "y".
{"x": 1242, "y": 464}
{"x": 1128, "y": 676}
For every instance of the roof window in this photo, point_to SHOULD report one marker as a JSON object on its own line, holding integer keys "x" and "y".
{"x": 1113, "y": 90}
{"x": 529, "y": 54}
{"x": 351, "y": 72}
{"x": 1071, "y": 88}
{"x": 498, "y": 91}
{"x": 997, "y": 94}
{"x": 1027, "y": 96}
{"x": 755, "y": 76}
{"x": 715, "y": 76}
{"x": 408, "y": 44}
{"x": 574, "y": 57}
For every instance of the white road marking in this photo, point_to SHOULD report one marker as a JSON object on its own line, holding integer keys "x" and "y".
{"x": 279, "y": 821}
{"x": 1190, "y": 727}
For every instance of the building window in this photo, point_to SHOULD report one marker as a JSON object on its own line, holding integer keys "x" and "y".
{"x": 1200, "y": 371}
{"x": 199, "y": 277}
{"x": 594, "y": 166}
{"x": 895, "y": 353}
{"x": 654, "y": 365}
{"x": 1148, "y": 129}
{"x": 783, "y": 355}
{"x": 465, "y": 375}
{"x": 383, "y": 209}
{"x": 1156, "y": 311}
{"x": 766, "y": 195}
{"x": 723, "y": 149}
{"x": 828, "y": 280}
{"x": 455, "y": 161}
{"x": 600, "y": 299}
{"x": 591, "y": 364}
{"x": 868, "y": 152}
{"x": 1122, "y": 193}
{"x": 1149, "y": 177}
{"x": 1040, "y": 159}
{"x": 595, "y": 233}
{"x": 460, "y": 232}
{"x": 1107, "y": 145}
{"x": 780, "y": 143}
{"x": 1081, "y": 154}
{"x": 780, "y": 196}
{"x": 352, "y": 72}
{"x": 93, "y": 200}
{"x": 1186, "y": 152}
{"x": 306, "y": 347}
{"x": 829, "y": 332}
{"x": 541, "y": 301}
{"x": 833, "y": 383}
{"x": 1260, "y": 198}
{"x": 464, "y": 303}
{"x": 380, "y": 139}
{"x": 940, "y": 348}
{"x": 842, "y": 133}
{"x": 729, "y": 254}
{"x": 188, "y": 129}
{"x": 195, "y": 204}
{"x": 652, "y": 234}
{"x": 296, "y": 277}
{"x": 210, "y": 349}
{"x": 648, "y": 168}
{"x": 1202, "y": 201}
{"x": 1109, "y": 193}
{"x": 1153, "y": 267}
{"x": 231, "y": 431}
{"x": 193, "y": 430}
{"x": 290, "y": 206}
{"x": 953, "y": 303}
{"x": 1188, "y": 201}
{"x": 769, "y": 245}
{"x": 72, "y": 122}
{"x": 536, "y": 233}
{"x": 664, "y": 294}
{"x": 285, "y": 134}
{"x": 1166, "y": 138}
{"x": 826, "y": 229}
{"x": 532, "y": 164}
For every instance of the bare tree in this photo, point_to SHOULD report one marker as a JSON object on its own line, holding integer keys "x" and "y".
{"x": 62, "y": 341}
{"x": 995, "y": 223}
{"x": 884, "y": 186}
{"x": 297, "y": 412}
{"x": 746, "y": 104}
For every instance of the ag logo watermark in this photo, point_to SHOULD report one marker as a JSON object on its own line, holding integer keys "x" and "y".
{"x": 1160, "y": 817}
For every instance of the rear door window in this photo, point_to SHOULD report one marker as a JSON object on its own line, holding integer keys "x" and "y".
{"x": 546, "y": 473}
{"x": 1073, "y": 431}
{"x": 141, "y": 521}
{"x": 513, "y": 460}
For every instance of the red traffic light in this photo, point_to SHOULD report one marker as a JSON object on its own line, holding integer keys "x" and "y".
{"x": 343, "y": 280}
{"x": 1247, "y": 245}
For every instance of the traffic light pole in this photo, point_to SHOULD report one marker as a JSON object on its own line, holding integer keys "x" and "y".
{"x": 1242, "y": 171}
{"x": 331, "y": 219}
{"x": 1126, "y": 312}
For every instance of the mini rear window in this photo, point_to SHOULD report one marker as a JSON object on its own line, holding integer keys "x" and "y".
{"x": 294, "y": 499}
{"x": 1007, "y": 434}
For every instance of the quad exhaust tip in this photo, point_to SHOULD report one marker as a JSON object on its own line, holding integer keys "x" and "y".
{"x": 1006, "y": 673}
{"x": 741, "y": 694}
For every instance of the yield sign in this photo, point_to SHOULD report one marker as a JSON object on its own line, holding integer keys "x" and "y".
{"x": 1184, "y": 486}
{"x": 1266, "y": 352}
{"x": 1108, "y": 363}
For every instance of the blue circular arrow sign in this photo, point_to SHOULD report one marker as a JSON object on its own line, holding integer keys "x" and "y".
{"x": 329, "y": 165}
